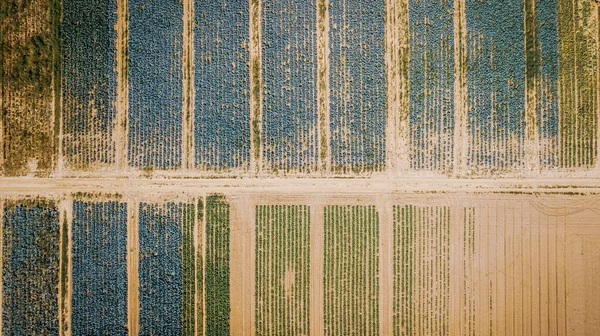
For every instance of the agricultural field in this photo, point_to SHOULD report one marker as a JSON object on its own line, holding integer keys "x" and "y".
{"x": 314, "y": 167}
{"x": 160, "y": 268}
{"x": 30, "y": 268}
{"x": 222, "y": 85}
{"x": 216, "y": 270}
{"x": 282, "y": 269}
{"x": 99, "y": 267}
{"x": 357, "y": 86}
{"x": 431, "y": 74}
{"x": 351, "y": 265}
{"x": 421, "y": 270}
{"x": 89, "y": 82}
{"x": 289, "y": 77}
{"x": 313, "y": 89}
{"x": 400, "y": 267}
{"x": 155, "y": 83}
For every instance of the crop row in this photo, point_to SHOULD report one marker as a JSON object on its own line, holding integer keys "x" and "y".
{"x": 282, "y": 272}
{"x": 431, "y": 75}
{"x": 30, "y": 268}
{"x": 222, "y": 85}
{"x": 351, "y": 268}
{"x": 28, "y": 65}
{"x": 495, "y": 81}
{"x": 357, "y": 86}
{"x": 160, "y": 268}
{"x": 421, "y": 270}
{"x": 155, "y": 83}
{"x": 99, "y": 302}
{"x": 289, "y": 74}
{"x": 89, "y": 81}
{"x": 217, "y": 274}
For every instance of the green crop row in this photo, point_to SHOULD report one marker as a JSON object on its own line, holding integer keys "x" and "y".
{"x": 282, "y": 269}
{"x": 351, "y": 266}
{"x": 421, "y": 270}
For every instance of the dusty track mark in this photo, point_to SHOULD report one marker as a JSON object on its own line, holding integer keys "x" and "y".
{"x": 532, "y": 152}
{"x": 323, "y": 85}
{"x": 121, "y": 128}
{"x": 255, "y": 87}
{"x": 242, "y": 251}
{"x": 386, "y": 260}
{"x": 65, "y": 289}
{"x": 316, "y": 268}
{"x": 1, "y": 259}
{"x": 55, "y": 20}
{"x": 133, "y": 253}
{"x": 397, "y": 63}
{"x": 460, "y": 88}
{"x": 187, "y": 147}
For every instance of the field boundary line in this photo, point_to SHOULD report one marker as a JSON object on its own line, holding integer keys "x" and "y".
{"x": 386, "y": 266}
{"x": 597, "y": 89}
{"x": 133, "y": 252}
{"x": 255, "y": 87}
{"x": 187, "y": 146}
{"x": 532, "y": 148}
{"x": 121, "y": 129}
{"x": 323, "y": 85}
{"x": 1, "y": 260}
{"x": 141, "y": 187}
{"x": 316, "y": 268}
{"x": 397, "y": 63}
{"x": 461, "y": 144}
{"x": 65, "y": 288}
{"x": 57, "y": 115}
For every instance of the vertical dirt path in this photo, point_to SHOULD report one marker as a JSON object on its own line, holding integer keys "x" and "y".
{"x": 133, "y": 253}
{"x": 323, "y": 85}
{"x": 187, "y": 136}
{"x": 121, "y": 128}
{"x": 255, "y": 87}
{"x": 316, "y": 269}
{"x": 460, "y": 88}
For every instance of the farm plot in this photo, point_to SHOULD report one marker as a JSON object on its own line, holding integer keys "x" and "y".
{"x": 28, "y": 77}
{"x": 190, "y": 258}
{"x": 431, "y": 73}
{"x": 495, "y": 80}
{"x": 160, "y": 268}
{"x": 99, "y": 301}
{"x": 351, "y": 268}
{"x": 289, "y": 75}
{"x": 216, "y": 269}
{"x": 221, "y": 82}
{"x": 30, "y": 268}
{"x": 89, "y": 82}
{"x": 578, "y": 78}
{"x": 357, "y": 86}
{"x": 546, "y": 73}
{"x": 155, "y": 83}
{"x": 421, "y": 270}
{"x": 282, "y": 269}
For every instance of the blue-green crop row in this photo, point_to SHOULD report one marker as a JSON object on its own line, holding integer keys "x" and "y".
{"x": 99, "y": 302}
{"x": 30, "y": 268}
